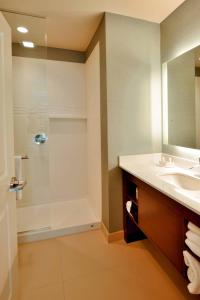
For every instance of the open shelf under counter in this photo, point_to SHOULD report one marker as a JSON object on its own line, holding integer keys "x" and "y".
{"x": 161, "y": 219}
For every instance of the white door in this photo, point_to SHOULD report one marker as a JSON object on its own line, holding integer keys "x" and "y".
{"x": 8, "y": 233}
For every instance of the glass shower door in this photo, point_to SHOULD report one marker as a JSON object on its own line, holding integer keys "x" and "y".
{"x": 31, "y": 121}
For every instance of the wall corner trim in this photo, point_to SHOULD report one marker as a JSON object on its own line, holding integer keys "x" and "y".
{"x": 113, "y": 236}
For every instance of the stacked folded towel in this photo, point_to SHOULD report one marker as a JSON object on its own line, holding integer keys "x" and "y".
{"x": 194, "y": 247}
{"x": 193, "y": 272}
{"x": 194, "y": 228}
{"x": 193, "y": 238}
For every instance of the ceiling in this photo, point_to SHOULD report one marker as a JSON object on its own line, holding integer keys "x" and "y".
{"x": 36, "y": 26}
{"x": 72, "y": 23}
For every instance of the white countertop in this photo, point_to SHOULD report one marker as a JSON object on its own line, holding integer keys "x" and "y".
{"x": 145, "y": 167}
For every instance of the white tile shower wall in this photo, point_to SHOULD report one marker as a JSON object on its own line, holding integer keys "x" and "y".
{"x": 94, "y": 131}
{"x": 31, "y": 117}
{"x": 68, "y": 159}
{"x": 67, "y": 140}
{"x": 66, "y": 87}
{"x": 68, "y": 149}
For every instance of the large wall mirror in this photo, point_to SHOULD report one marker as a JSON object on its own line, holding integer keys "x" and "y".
{"x": 181, "y": 100}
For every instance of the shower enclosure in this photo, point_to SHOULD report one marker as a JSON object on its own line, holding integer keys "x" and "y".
{"x": 57, "y": 136}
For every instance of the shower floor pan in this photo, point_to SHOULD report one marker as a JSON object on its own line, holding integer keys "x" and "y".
{"x": 45, "y": 221}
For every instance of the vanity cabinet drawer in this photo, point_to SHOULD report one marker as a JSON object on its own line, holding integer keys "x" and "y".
{"x": 162, "y": 222}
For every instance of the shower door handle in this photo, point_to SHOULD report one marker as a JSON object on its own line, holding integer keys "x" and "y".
{"x": 16, "y": 185}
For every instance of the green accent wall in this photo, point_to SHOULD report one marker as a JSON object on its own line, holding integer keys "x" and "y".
{"x": 100, "y": 36}
{"x": 130, "y": 74}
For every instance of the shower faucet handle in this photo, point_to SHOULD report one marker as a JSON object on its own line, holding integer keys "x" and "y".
{"x": 16, "y": 185}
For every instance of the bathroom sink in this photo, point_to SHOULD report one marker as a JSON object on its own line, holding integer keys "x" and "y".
{"x": 184, "y": 181}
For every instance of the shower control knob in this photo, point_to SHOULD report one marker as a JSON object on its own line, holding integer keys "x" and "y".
{"x": 40, "y": 138}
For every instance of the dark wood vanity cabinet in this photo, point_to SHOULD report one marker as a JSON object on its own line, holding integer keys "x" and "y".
{"x": 162, "y": 223}
{"x": 159, "y": 218}
{"x": 130, "y": 221}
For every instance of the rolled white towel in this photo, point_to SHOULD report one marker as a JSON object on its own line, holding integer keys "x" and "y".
{"x": 194, "y": 228}
{"x": 193, "y": 247}
{"x": 190, "y": 274}
{"x": 193, "y": 273}
{"x": 128, "y": 206}
{"x": 193, "y": 237}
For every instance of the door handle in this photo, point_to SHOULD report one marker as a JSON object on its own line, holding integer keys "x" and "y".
{"x": 16, "y": 185}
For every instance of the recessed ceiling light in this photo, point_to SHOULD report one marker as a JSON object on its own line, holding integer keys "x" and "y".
{"x": 22, "y": 29}
{"x": 28, "y": 44}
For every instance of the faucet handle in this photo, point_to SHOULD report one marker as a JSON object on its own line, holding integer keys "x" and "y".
{"x": 171, "y": 160}
{"x": 196, "y": 165}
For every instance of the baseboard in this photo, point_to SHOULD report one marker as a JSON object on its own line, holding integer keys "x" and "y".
{"x": 112, "y": 237}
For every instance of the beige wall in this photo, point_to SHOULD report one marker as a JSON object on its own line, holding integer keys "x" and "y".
{"x": 180, "y": 32}
{"x": 130, "y": 101}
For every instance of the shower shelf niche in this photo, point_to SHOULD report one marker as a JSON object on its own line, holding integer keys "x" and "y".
{"x": 66, "y": 116}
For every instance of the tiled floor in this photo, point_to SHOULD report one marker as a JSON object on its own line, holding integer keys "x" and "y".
{"x": 86, "y": 267}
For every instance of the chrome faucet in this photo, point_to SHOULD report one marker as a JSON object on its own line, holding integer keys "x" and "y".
{"x": 16, "y": 185}
{"x": 195, "y": 166}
